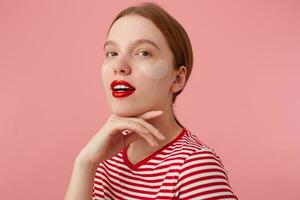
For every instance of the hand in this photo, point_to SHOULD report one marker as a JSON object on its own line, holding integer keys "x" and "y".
{"x": 109, "y": 140}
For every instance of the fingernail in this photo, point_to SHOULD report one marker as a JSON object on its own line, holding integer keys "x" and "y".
{"x": 162, "y": 136}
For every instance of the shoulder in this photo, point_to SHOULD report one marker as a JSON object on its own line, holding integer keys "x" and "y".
{"x": 195, "y": 154}
{"x": 202, "y": 170}
{"x": 196, "y": 146}
{"x": 200, "y": 154}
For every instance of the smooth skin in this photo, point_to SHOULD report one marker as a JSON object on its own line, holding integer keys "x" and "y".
{"x": 147, "y": 113}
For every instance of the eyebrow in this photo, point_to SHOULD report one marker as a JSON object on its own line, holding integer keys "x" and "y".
{"x": 139, "y": 41}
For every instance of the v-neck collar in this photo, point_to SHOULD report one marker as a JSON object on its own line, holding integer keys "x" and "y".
{"x": 145, "y": 160}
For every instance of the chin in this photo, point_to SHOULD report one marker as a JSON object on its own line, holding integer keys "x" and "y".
{"x": 127, "y": 111}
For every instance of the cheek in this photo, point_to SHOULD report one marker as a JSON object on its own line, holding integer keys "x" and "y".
{"x": 105, "y": 72}
{"x": 156, "y": 71}
{"x": 104, "y": 69}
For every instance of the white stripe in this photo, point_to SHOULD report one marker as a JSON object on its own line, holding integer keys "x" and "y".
{"x": 215, "y": 195}
{"x": 136, "y": 181}
{"x": 204, "y": 182}
{"x": 210, "y": 174}
{"x": 201, "y": 161}
{"x": 204, "y": 189}
{"x": 113, "y": 182}
{"x": 139, "y": 173}
{"x": 212, "y": 180}
{"x": 185, "y": 172}
{"x": 177, "y": 166}
{"x": 173, "y": 152}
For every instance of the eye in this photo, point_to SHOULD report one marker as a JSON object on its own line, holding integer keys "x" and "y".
{"x": 144, "y": 53}
{"x": 110, "y": 55}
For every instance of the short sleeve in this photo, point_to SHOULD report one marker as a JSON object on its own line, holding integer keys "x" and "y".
{"x": 203, "y": 176}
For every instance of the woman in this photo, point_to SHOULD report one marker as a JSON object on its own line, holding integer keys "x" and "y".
{"x": 142, "y": 151}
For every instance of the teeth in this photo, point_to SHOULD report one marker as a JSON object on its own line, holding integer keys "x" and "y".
{"x": 121, "y": 87}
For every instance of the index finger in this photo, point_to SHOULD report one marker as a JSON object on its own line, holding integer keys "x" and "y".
{"x": 150, "y": 114}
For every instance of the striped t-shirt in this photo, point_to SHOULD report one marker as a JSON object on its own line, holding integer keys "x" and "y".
{"x": 185, "y": 168}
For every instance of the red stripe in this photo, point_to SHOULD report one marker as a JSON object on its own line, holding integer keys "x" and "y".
{"x": 199, "y": 172}
{"x": 133, "y": 183}
{"x": 204, "y": 186}
{"x": 221, "y": 197}
{"x": 202, "y": 179}
{"x": 138, "y": 174}
{"x": 216, "y": 191}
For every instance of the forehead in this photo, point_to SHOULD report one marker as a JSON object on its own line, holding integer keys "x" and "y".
{"x": 130, "y": 28}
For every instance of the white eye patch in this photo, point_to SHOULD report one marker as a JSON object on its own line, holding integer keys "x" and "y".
{"x": 156, "y": 71}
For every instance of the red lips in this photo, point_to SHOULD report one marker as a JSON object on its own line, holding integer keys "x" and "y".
{"x": 121, "y": 82}
{"x": 124, "y": 92}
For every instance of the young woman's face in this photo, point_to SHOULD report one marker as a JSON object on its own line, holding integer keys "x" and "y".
{"x": 137, "y": 52}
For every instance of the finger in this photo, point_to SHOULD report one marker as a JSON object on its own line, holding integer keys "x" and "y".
{"x": 150, "y": 127}
{"x": 138, "y": 129}
{"x": 151, "y": 114}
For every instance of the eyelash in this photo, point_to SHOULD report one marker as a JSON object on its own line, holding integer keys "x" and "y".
{"x": 149, "y": 54}
{"x": 106, "y": 54}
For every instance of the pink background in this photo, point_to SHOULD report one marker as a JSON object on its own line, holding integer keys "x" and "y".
{"x": 242, "y": 98}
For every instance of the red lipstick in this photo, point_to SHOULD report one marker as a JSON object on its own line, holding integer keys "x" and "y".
{"x": 121, "y": 88}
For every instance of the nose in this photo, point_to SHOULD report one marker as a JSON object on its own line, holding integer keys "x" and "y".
{"x": 122, "y": 66}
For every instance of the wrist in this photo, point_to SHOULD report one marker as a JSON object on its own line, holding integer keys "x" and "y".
{"x": 84, "y": 163}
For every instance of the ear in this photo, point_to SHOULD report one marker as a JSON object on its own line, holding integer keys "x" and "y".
{"x": 179, "y": 79}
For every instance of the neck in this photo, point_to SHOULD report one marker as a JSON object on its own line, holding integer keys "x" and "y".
{"x": 166, "y": 124}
